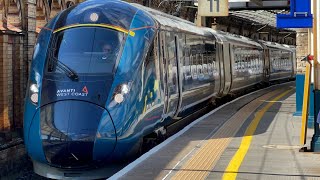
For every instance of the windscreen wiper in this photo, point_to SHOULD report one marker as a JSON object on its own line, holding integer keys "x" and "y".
{"x": 67, "y": 70}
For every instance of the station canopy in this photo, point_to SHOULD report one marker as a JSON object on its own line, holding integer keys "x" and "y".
{"x": 263, "y": 17}
{"x": 254, "y": 4}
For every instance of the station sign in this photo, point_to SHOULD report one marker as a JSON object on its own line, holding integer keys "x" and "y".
{"x": 300, "y": 15}
{"x": 213, "y": 8}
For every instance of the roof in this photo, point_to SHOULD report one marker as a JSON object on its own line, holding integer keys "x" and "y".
{"x": 261, "y": 17}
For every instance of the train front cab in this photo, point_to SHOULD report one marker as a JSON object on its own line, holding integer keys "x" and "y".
{"x": 78, "y": 106}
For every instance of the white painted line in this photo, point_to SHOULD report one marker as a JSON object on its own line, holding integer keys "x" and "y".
{"x": 133, "y": 164}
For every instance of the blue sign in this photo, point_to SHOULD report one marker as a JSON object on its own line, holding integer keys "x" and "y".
{"x": 300, "y": 15}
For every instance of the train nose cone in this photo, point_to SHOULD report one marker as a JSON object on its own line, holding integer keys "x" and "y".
{"x": 69, "y": 130}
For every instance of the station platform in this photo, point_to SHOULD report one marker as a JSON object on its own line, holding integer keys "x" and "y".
{"x": 253, "y": 137}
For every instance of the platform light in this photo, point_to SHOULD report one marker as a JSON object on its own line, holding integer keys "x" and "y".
{"x": 34, "y": 97}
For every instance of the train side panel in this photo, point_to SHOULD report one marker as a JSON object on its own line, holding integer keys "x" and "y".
{"x": 141, "y": 111}
{"x": 243, "y": 61}
{"x": 281, "y": 64}
{"x": 280, "y": 61}
{"x": 247, "y": 66}
{"x": 200, "y": 78}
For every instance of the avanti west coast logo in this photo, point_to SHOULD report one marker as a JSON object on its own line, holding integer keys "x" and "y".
{"x": 73, "y": 92}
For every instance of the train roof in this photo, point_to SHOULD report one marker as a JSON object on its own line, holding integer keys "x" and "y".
{"x": 170, "y": 22}
{"x": 121, "y": 14}
{"x": 277, "y": 45}
{"x": 234, "y": 38}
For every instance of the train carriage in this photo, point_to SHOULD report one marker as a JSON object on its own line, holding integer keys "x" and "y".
{"x": 280, "y": 61}
{"x": 244, "y": 62}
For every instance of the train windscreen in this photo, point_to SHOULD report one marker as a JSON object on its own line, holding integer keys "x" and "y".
{"x": 85, "y": 50}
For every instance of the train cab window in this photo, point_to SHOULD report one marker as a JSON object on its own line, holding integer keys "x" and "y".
{"x": 150, "y": 57}
{"x": 94, "y": 53}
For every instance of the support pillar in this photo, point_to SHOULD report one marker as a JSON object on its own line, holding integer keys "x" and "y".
{"x": 315, "y": 143}
{"x": 30, "y": 37}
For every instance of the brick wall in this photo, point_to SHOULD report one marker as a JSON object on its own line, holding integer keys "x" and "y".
{"x": 302, "y": 49}
{"x": 12, "y": 81}
{"x": 4, "y": 102}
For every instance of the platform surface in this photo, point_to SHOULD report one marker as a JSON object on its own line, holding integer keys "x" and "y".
{"x": 253, "y": 137}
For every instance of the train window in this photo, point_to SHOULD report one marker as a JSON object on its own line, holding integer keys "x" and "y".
{"x": 255, "y": 69}
{"x": 238, "y": 62}
{"x": 246, "y": 62}
{"x": 214, "y": 66}
{"x": 94, "y": 53}
{"x": 172, "y": 63}
{"x": 210, "y": 53}
{"x": 187, "y": 64}
{"x": 210, "y": 67}
{"x": 198, "y": 62}
{"x": 193, "y": 63}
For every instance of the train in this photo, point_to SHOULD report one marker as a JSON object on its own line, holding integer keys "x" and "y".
{"x": 106, "y": 74}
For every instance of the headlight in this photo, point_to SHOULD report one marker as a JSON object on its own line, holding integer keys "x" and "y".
{"x": 120, "y": 92}
{"x": 118, "y": 98}
{"x": 34, "y": 96}
{"x": 125, "y": 88}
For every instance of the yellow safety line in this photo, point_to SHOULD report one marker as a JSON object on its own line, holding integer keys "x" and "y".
{"x": 305, "y": 106}
{"x": 200, "y": 165}
{"x": 232, "y": 170}
{"x": 131, "y": 33}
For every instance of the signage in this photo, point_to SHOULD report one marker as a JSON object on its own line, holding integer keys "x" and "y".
{"x": 300, "y": 15}
{"x": 213, "y": 8}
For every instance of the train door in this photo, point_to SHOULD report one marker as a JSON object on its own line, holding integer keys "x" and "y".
{"x": 169, "y": 54}
{"x": 213, "y": 64}
{"x": 220, "y": 70}
{"x": 225, "y": 68}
